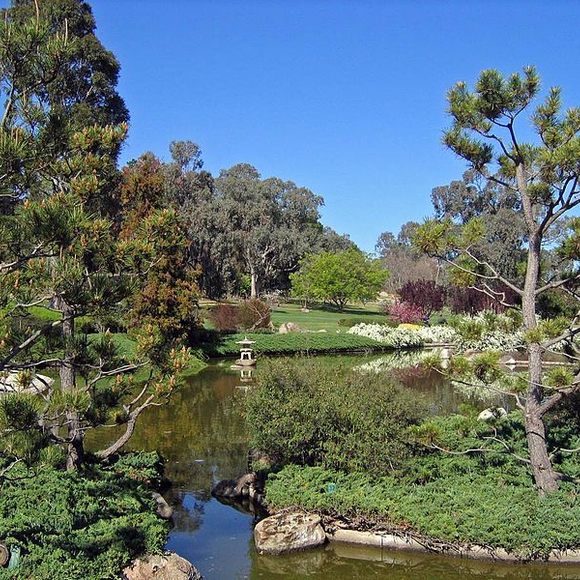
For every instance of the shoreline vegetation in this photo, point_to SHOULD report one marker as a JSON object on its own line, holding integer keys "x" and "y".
{"x": 381, "y": 463}
{"x": 518, "y": 540}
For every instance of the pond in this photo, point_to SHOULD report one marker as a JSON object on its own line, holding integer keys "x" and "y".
{"x": 202, "y": 434}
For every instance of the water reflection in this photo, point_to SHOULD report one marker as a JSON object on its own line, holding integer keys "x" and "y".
{"x": 345, "y": 561}
{"x": 203, "y": 436}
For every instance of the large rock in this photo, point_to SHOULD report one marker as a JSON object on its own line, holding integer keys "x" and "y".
{"x": 287, "y": 327}
{"x": 164, "y": 510}
{"x": 492, "y": 414}
{"x": 168, "y": 566}
{"x": 245, "y": 486}
{"x": 287, "y": 532}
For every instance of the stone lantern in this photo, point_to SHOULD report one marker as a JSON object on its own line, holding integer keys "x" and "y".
{"x": 247, "y": 358}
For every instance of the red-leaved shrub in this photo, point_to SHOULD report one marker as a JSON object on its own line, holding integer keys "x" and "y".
{"x": 249, "y": 315}
{"x": 225, "y": 317}
{"x": 405, "y": 312}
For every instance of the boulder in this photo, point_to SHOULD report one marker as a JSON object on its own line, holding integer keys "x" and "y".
{"x": 287, "y": 532}
{"x": 245, "y": 486}
{"x": 167, "y": 566}
{"x": 491, "y": 414}
{"x": 164, "y": 510}
{"x": 287, "y": 327}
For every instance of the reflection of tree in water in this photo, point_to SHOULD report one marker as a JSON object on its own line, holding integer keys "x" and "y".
{"x": 188, "y": 510}
{"x": 440, "y": 394}
{"x": 200, "y": 432}
{"x": 344, "y": 562}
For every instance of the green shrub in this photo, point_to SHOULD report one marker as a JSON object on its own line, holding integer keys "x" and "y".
{"x": 301, "y": 413}
{"x": 294, "y": 342}
{"x": 78, "y": 525}
{"x": 369, "y": 319}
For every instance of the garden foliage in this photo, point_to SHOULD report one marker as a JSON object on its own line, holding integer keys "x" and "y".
{"x": 300, "y": 413}
{"x": 293, "y": 343}
{"x": 77, "y": 525}
{"x": 248, "y": 315}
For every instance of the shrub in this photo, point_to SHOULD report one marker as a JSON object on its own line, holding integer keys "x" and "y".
{"x": 249, "y": 315}
{"x": 224, "y": 317}
{"x": 72, "y": 526}
{"x": 393, "y": 338}
{"x": 294, "y": 342}
{"x": 442, "y": 317}
{"x": 253, "y": 314}
{"x": 425, "y": 294}
{"x": 300, "y": 413}
{"x": 466, "y": 508}
{"x": 406, "y": 312}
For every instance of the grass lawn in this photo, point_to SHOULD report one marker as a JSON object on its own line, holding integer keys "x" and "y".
{"x": 322, "y": 318}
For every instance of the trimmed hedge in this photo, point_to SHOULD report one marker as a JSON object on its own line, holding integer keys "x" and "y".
{"x": 296, "y": 342}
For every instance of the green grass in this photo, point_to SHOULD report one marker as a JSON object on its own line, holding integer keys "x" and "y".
{"x": 295, "y": 342}
{"x": 321, "y": 318}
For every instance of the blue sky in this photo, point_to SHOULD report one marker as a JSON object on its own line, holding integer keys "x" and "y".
{"x": 346, "y": 98}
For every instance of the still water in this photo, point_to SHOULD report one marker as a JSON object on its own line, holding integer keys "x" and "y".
{"x": 202, "y": 435}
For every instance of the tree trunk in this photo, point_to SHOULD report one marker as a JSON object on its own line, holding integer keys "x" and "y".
{"x": 254, "y": 284}
{"x": 545, "y": 477}
{"x": 75, "y": 448}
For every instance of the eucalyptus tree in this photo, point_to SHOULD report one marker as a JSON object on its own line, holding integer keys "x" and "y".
{"x": 542, "y": 176}
{"x": 403, "y": 261}
{"x": 58, "y": 251}
{"x": 267, "y": 224}
{"x": 476, "y": 196}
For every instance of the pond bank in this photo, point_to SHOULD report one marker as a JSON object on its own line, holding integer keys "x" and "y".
{"x": 365, "y": 533}
{"x": 391, "y": 541}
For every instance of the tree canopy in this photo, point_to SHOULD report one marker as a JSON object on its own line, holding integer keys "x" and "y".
{"x": 58, "y": 248}
{"x": 338, "y": 278}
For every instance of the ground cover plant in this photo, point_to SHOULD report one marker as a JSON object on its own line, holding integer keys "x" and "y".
{"x": 465, "y": 509}
{"x": 76, "y": 525}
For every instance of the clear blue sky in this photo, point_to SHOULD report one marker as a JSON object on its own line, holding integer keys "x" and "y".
{"x": 344, "y": 97}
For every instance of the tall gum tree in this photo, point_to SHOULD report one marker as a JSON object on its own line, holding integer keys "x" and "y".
{"x": 543, "y": 175}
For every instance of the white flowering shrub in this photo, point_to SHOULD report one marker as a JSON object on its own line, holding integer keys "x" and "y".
{"x": 494, "y": 340}
{"x": 392, "y": 337}
{"x": 440, "y": 334}
{"x": 483, "y": 332}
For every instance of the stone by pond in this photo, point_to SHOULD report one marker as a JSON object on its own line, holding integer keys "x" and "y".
{"x": 287, "y": 532}
{"x": 202, "y": 435}
{"x": 168, "y": 566}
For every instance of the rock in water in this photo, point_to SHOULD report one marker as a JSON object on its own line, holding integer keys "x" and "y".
{"x": 164, "y": 510}
{"x": 168, "y": 566}
{"x": 286, "y": 532}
